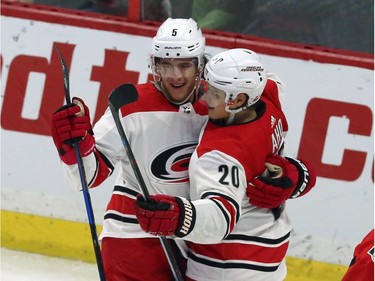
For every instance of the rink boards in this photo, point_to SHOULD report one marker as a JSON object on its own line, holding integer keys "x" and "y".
{"x": 72, "y": 240}
{"x": 329, "y": 107}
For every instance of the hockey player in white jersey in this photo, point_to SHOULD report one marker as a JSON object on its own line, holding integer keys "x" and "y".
{"x": 163, "y": 127}
{"x": 230, "y": 239}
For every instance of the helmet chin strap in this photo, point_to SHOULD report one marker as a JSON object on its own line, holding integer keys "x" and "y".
{"x": 233, "y": 112}
{"x": 231, "y": 118}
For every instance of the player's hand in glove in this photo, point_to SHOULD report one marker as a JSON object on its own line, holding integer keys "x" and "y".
{"x": 71, "y": 123}
{"x": 287, "y": 178}
{"x": 165, "y": 215}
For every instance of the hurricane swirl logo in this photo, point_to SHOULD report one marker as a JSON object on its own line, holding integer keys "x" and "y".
{"x": 172, "y": 165}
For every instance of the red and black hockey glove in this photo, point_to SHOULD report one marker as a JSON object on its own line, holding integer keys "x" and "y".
{"x": 165, "y": 215}
{"x": 287, "y": 178}
{"x": 71, "y": 123}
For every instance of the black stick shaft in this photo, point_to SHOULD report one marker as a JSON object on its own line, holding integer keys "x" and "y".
{"x": 129, "y": 152}
{"x": 117, "y": 99}
{"x": 82, "y": 176}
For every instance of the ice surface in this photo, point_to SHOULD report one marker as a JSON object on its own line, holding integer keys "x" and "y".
{"x": 22, "y": 266}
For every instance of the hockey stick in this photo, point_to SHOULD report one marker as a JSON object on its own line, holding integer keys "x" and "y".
{"x": 123, "y": 95}
{"x": 82, "y": 175}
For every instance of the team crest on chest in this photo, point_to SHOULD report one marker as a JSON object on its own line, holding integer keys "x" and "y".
{"x": 171, "y": 165}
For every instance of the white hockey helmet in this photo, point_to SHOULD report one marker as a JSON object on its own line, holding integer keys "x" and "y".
{"x": 237, "y": 71}
{"x": 178, "y": 38}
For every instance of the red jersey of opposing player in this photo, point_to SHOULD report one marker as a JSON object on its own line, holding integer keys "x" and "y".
{"x": 362, "y": 265}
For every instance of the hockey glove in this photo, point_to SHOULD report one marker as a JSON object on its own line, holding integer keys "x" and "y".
{"x": 165, "y": 215}
{"x": 288, "y": 178}
{"x": 71, "y": 123}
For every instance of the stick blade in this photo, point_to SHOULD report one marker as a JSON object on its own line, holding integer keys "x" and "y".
{"x": 65, "y": 72}
{"x": 122, "y": 95}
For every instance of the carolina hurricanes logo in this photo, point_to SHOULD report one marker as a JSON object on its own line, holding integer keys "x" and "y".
{"x": 171, "y": 165}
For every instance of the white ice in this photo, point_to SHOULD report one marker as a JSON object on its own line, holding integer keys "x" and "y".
{"x": 22, "y": 266}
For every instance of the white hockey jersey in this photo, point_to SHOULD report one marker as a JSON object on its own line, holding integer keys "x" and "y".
{"x": 162, "y": 137}
{"x": 231, "y": 239}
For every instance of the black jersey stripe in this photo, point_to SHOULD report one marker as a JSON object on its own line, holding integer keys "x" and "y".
{"x": 120, "y": 218}
{"x": 107, "y": 162}
{"x": 232, "y": 265}
{"x": 230, "y": 199}
{"x": 226, "y": 216}
{"x": 248, "y": 238}
{"x": 124, "y": 189}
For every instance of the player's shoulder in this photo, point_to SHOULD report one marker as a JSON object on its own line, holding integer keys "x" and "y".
{"x": 271, "y": 92}
{"x": 145, "y": 86}
{"x": 362, "y": 264}
{"x": 274, "y": 90}
{"x": 225, "y": 139}
{"x": 149, "y": 99}
{"x": 367, "y": 244}
{"x": 145, "y": 89}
